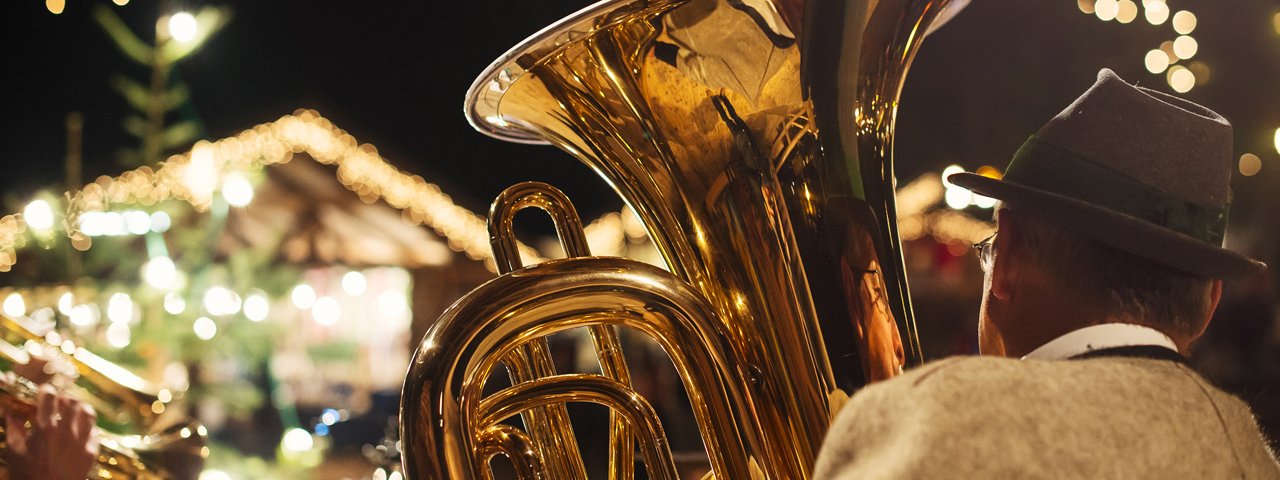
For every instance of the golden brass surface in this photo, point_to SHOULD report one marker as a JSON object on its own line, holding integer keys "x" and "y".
{"x": 754, "y": 139}
{"x": 169, "y": 449}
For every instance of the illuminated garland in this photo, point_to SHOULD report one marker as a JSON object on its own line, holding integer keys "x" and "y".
{"x": 194, "y": 176}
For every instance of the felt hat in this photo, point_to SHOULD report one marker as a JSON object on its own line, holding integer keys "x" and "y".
{"x": 1139, "y": 170}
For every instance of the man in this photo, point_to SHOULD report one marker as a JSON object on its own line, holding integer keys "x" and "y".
{"x": 1106, "y": 266}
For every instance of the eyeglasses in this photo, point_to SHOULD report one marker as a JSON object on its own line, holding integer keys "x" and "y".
{"x": 986, "y": 252}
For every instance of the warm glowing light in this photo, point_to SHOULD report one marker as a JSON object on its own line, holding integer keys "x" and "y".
{"x": 14, "y": 305}
{"x": 1184, "y": 22}
{"x": 329, "y": 417}
{"x": 326, "y": 311}
{"x": 1277, "y": 140}
{"x": 121, "y": 2}
{"x": 38, "y": 215}
{"x": 1106, "y": 10}
{"x": 174, "y": 303}
{"x": 201, "y": 174}
{"x": 120, "y": 308}
{"x": 1127, "y": 11}
{"x": 1156, "y": 61}
{"x": 66, "y": 302}
{"x": 212, "y": 474}
{"x": 221, "y": 301}
{"x": 354, "y": 283}
{"x": 84, "y": 315}
{"x": 1250, "y": 164}
{"x": 981, "y": 201}
{"x": 1086, "y": 6}
{"x": 136, "y": 221}
{"x": 118, "y": 335}
{"x": 1276, "y": 23}
{"x": 1181, "y": 79}
{"x": 303, "y": 296}
{"x": 256, "y": 306}
{"x": 1156, "y": 12}
{"x": 949, "y": 171}
{"x": 205, "y": 328}
{"x": 1185, "y": 47}
{"x": 55, "y": 6}
{"x": 160, "y": 273}
{"x": 958, "y": 198}
{"x": 182, "y": 26}
{"x": 297, "y": 440}
{"x": 237, "y": 190}
{"x": 160, "y": 222}
{"x": 392, "y": 303}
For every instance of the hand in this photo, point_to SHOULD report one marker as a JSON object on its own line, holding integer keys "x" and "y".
{"x": 61, "y": 444}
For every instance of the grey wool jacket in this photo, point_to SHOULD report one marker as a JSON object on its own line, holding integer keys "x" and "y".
{"x": 997, "y": 418}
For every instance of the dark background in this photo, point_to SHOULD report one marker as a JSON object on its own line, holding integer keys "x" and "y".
{"x": 394, "y": 75}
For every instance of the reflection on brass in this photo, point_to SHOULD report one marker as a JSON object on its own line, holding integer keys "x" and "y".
{"x": 168, "y": 448}
{"x": 753, "y": 138}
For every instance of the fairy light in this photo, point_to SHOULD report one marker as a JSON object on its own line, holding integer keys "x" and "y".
{"x": 205, "y": 328}
{"x": 1156, "y": 61}
{"x": 326, "y": 311}
{"x": 193, "y": 177}
{"x": 1184, "y": 22}
{"x": 160, "y": 273}
{"x": 256, "y": 306}
{"x": 14, "y": 305}
{"x": 1185, "y": 47}
{"x": 303, "y": 296}
{"x": 174, "y": 304}
{"x": 120, "y": 308}
{"x": 38, "y": 215}
{"x": 182, "y": 26}
{"x": 1156, "y": 13}
{"x": 354, "y": 283}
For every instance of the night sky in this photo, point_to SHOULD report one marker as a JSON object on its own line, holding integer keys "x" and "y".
{"x": 394, "y": 74}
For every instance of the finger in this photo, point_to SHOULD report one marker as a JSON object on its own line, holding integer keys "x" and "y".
{"x": 15, "y": 431}
{"x": 66, "y": 411}
{"x": 45, "y": 408}
{"x": 83, "y": 425}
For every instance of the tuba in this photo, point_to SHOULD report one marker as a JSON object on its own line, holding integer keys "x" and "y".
{"x": 753, "y": 138}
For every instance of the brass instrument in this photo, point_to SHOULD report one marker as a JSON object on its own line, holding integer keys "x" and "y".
{"x": 168, "y": 448}
{"x": 753, "y": 138}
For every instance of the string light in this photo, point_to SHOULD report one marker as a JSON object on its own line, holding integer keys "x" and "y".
{"x": 120, "y": 308}
{"x": 1181, "y": 79}
{"x": 256, "y": 306}
{"x": 38, "y": 215}
{"x": 1156, "y": 61}
{"x": 182, "y": 27}
{"x": 55, "y": 6}
{"x": 1156, "y": 13}
{"x": 1185, "y": 47}
{"x": 1250, "y": 164}
{"x": 353, "y": 283}
{"x": 1184, "y": 22}
{"x": 205, "y": 328}
{"x": 14, "y": 305}
{"x": 326, "y": 311}
{"x": 1106, "y": 10}
{"x": 1127, "y": 11}
{"x": 237, "y": 190}
{"x": 174, "y": 304}
{"x": 303, "y": 296}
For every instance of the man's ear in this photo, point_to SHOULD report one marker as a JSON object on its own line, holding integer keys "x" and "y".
{"x": 1008, "y": 257}
{"x": 1215, "y": 296}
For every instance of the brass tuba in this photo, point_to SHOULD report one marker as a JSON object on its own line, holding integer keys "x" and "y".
{"x": 753, "y": 138}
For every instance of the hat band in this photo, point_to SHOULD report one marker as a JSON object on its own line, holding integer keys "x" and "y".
{"x": 1050, "y": 168}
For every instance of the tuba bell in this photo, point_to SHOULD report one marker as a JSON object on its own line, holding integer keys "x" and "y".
{"x": 754, "y": 140}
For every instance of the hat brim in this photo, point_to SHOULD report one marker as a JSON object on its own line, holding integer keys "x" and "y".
{"x": 1138, "y": 237}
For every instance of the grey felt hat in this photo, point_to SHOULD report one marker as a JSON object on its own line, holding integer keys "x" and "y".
{"x": 1139, "y": 170}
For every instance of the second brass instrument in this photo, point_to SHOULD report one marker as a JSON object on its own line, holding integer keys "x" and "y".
{"x": 172, "y": 449}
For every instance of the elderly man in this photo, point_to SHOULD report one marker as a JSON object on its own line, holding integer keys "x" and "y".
{"x": 1106, "y": 266}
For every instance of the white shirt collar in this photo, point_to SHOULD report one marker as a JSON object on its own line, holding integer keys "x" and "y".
{"x": 1097, "y": 337}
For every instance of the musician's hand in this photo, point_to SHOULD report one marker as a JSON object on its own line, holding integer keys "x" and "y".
{"x": 61, "y": 443}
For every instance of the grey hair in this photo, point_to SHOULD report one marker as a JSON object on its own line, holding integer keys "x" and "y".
{"x": 1115, "y": 281}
